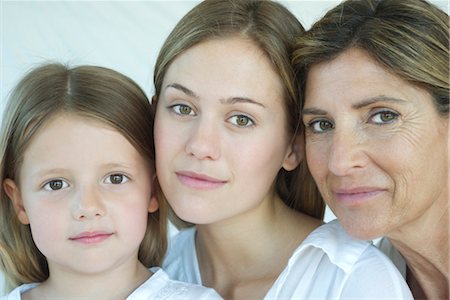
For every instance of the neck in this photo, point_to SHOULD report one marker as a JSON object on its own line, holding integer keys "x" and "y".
{"x": 247, "y": 253}
{"x": 425, "y": 246}
{"x": 68, "y": 285}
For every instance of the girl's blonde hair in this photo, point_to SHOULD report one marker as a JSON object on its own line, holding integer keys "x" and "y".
{"x": 89, "y": 91}
{"x": 272, "y": 27}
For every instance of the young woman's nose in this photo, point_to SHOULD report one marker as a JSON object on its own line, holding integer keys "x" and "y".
{"x": 204, "y": 141}
{"x": 88, "y": 204}
{"x": 346, "y": 152}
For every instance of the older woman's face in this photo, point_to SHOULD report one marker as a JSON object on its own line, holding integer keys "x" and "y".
{"x": 375, "y": 145}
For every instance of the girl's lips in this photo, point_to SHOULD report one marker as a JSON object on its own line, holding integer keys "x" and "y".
{"x": 91, "y": 237}
{"x": 199, "y": 181}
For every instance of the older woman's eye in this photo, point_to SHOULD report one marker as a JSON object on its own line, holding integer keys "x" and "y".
{"x": 56, "y": 184}
{"x": 241, "y": 121}
{"x": 384, "y": 117}
{"x": 182, "y": 109}
{"x": 320, "y": 126}
{"x": 116, "y": 179}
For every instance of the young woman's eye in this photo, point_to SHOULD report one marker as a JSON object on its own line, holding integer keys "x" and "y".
{"x": 320, "y": 126}
{"x": 182, "y": 109}
{"x": 116, "y": 179}
{"x": 241, "y": 121}
{"x": 384, "y": 117}
{"x": 55, "y": 185}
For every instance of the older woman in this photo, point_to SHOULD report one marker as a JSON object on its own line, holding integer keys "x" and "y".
{"x": 376, "y": 90}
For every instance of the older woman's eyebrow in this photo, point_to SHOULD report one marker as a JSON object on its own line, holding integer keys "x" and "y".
{"x": 376, "y": 99}
{"x": 183, "y": 89}
{"x": 314, "y": 111}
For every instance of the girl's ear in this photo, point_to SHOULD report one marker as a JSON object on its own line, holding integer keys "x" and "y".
{"x": 295, "y": 153}
{"x": 153, "y": 205}
{"x": 13, "y": 192}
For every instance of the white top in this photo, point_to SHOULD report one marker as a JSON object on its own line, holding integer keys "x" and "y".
{"x": 385, "y": 245}
{"x": 328, "y": 264}
{"x": 158, "y": 286}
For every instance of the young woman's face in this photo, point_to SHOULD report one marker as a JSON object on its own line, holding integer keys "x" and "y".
{"x": 375, "y": 145}
{"x": 220, "y": 131}
{"x": 86, "y": 193}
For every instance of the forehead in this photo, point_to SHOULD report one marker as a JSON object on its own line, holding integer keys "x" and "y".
{"x": 355, "y": 75}
{"x": 226, "y": 65}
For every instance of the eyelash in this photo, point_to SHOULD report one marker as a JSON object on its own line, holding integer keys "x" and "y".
{"x": 249, "y": 121}
{"x": 48, "y": 185}
{"x": 379, "y": 113}
{"x": 394, "y": 116}
{"x": 176, "y": 108}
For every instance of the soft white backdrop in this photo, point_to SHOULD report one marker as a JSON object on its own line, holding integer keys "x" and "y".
{"x": 123, "y": 35}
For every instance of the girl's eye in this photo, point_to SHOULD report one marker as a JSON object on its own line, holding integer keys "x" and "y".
{"x": 241, "y": 121}
{"x": 182, "y": 109}
{"x": 116, "y": 179}
{"x": 320, "y": 126}
{"x": 55, "y": 185}
{"x": 384, "y": 117}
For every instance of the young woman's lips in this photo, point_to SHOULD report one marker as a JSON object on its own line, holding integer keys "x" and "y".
{"x": 94, "y": 237}
{"x": 356, "y": 196}
{"x": 199, "y": 181}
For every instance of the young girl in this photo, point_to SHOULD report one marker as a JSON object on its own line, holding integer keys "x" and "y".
{"x": 79, "y": 215}
{"x": 228, "y": 151}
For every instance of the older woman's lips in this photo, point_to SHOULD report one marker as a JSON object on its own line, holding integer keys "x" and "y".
{"x": 356, "y": 195}
{"x": 94, "y": 237}
{"x": 199, "y": 181}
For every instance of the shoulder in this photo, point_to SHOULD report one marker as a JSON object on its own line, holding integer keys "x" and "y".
{"x": 331, "y": 264}
{"x": 160, "y": 286}
{"x": 180, "y": 261}
{"x": 18, "y": 291}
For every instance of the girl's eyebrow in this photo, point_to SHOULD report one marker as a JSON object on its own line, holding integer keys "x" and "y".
{"x": 314, "y": 111}
{"x": 231, "y": 100}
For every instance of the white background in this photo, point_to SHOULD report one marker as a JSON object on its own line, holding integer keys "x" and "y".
{"x": 122, "y": 35}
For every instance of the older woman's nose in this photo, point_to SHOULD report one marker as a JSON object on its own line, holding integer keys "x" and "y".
{"x": 347, "y": 153}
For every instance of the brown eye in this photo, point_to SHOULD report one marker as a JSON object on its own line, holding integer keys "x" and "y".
{"x": 55, "y": 185}
{"x": 116, "y": 179}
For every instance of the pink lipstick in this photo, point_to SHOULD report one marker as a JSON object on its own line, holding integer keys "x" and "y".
{"x": 199, "y": 181}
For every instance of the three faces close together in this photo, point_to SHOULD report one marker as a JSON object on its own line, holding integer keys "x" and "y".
{"x": 221, "y": 120}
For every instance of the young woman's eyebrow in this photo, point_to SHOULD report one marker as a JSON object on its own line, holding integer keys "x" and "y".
{"x": 183, "y": 89}
{"x": 233, "y": 100}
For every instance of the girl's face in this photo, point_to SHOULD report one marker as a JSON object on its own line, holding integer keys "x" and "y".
{"x": 221, "y": 131}
{"x": 86, "y": 193}
{"x": 375, "y": 145}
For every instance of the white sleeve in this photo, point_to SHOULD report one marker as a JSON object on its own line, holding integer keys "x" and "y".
{"x": 375, "y": 275}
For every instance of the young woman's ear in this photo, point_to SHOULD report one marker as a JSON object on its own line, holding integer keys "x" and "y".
{"x": 153, "y": 205}
{"x": 295, "y": 153}
{"x": 13, "y": 192}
